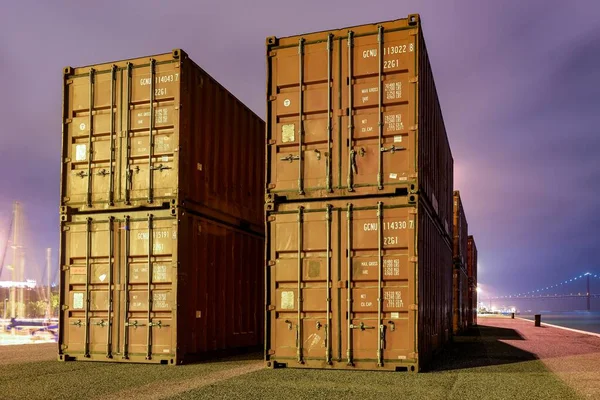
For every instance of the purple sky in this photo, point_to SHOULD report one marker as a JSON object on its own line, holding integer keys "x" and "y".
{"x": 519, "y": 87}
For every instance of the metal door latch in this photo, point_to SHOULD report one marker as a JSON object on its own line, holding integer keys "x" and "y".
{"x": 289, "y": 324}
{"x": 290, "y": 158}
{"x": 362, "y": 326}
{"x": 101, "y": 323}
{"x": 78, "y": 323}
{"x": 318, "y": 153}
{"x": 134, "y": 324}
{"x": 160, "y": 167}
{"x": 392, "y": 326}
{"x": 319, "y": 325}
{"x": 392, "y": 149}
{"x": 158, "y": 324}
{"x": 102, "y": 172}
{"x": 81, "y": 174}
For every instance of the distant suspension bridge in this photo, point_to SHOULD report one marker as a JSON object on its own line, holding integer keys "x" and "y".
{"x": 553, "y": 291}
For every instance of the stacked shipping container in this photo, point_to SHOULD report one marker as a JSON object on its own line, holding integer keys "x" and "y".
{"x": 161, "y": 214}
{"x": 358, "y": 201}
{"x": 459, "y": 255}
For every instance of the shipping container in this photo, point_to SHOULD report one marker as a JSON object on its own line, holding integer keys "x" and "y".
{"x": 459, "y": 300}
{"x": 159, "y": 132}
{"x": 460, "y": 233}
{"x": 359, "y": 284}
{"x": 158, "y": 287}
{"x": 465, "y": 306}
{"x": 472, "y": 274}
{"x": 355, "y": 112}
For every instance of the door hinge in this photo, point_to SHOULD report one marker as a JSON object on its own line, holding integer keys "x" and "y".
{"x": 271, "y": 352}
{"x": 270, "y": 308}
{"x": 270, "y": 263}
{"x": 271, "y": 218}
{"x": 414, "y": 79}
{"x": 413, "y": 307}
{"x": 413, "y": 259}
{"x": 414, "y": 127}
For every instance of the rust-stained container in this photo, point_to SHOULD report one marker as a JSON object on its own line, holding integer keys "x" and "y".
{"x": 472, "y": 274}
{"x": 355, "y": 112}
{"x": 360, "y": 284}
{"x": 206, "y": 287}
{"x": 159, "y": 132}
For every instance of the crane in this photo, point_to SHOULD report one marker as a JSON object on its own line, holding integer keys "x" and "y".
{"x": 5, "y": 250}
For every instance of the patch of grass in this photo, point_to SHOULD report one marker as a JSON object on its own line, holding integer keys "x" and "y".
{"x": 77, "y": 380}
{"x": 525, "y": 380}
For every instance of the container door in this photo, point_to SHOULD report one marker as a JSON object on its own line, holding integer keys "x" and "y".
{"x": 302, "y": 271}
{"x": 106, "y": 291}
{"x": 301, "y": 150}
{"x": 379, "y": 92}
{"x": 152, "y": 123}
{"x": 88, "y": 287}
{"x": 380, "y": 294}
{"x": 90, "y": 130}
{"x": 149, "y": 296}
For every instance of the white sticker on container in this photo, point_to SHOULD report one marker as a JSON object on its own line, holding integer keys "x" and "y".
{"x": 78, "y": 301}
{"x": 395, "y": 315}
{"x": 287, "y": 102}
{"x": 398, "y": 139}
{"x": 401, "y": 357}
{"x": 164, "y": 158}
{"x": 287, "y": 300}
{"x": 80, "y": 152}
{"x": 102, "y": 277}
{"x": 393, "y": 176}
{"x": 287, "y": 133}
{"x": 82, "y": 126}
{"x": 403, "y": 178}
{"x": 166, "y": 350}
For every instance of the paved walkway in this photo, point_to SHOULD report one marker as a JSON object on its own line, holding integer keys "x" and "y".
{"x": 573, "y": 357}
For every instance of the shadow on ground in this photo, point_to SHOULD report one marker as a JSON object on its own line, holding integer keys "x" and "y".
{"x": 481, "y": 346}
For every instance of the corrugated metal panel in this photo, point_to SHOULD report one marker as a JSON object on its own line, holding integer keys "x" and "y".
{"x": 460, "y": 234}
{"x": 472, "y": 274}
{"x": 205, "y": 287}
{"x": 354, "y": 112}
{"x": 357, "y": 284}
{"x": 159, "y": 132}
{"x": 460, "y": 300}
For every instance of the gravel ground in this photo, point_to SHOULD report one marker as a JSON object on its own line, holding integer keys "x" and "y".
{"x": 501, "y": 359}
